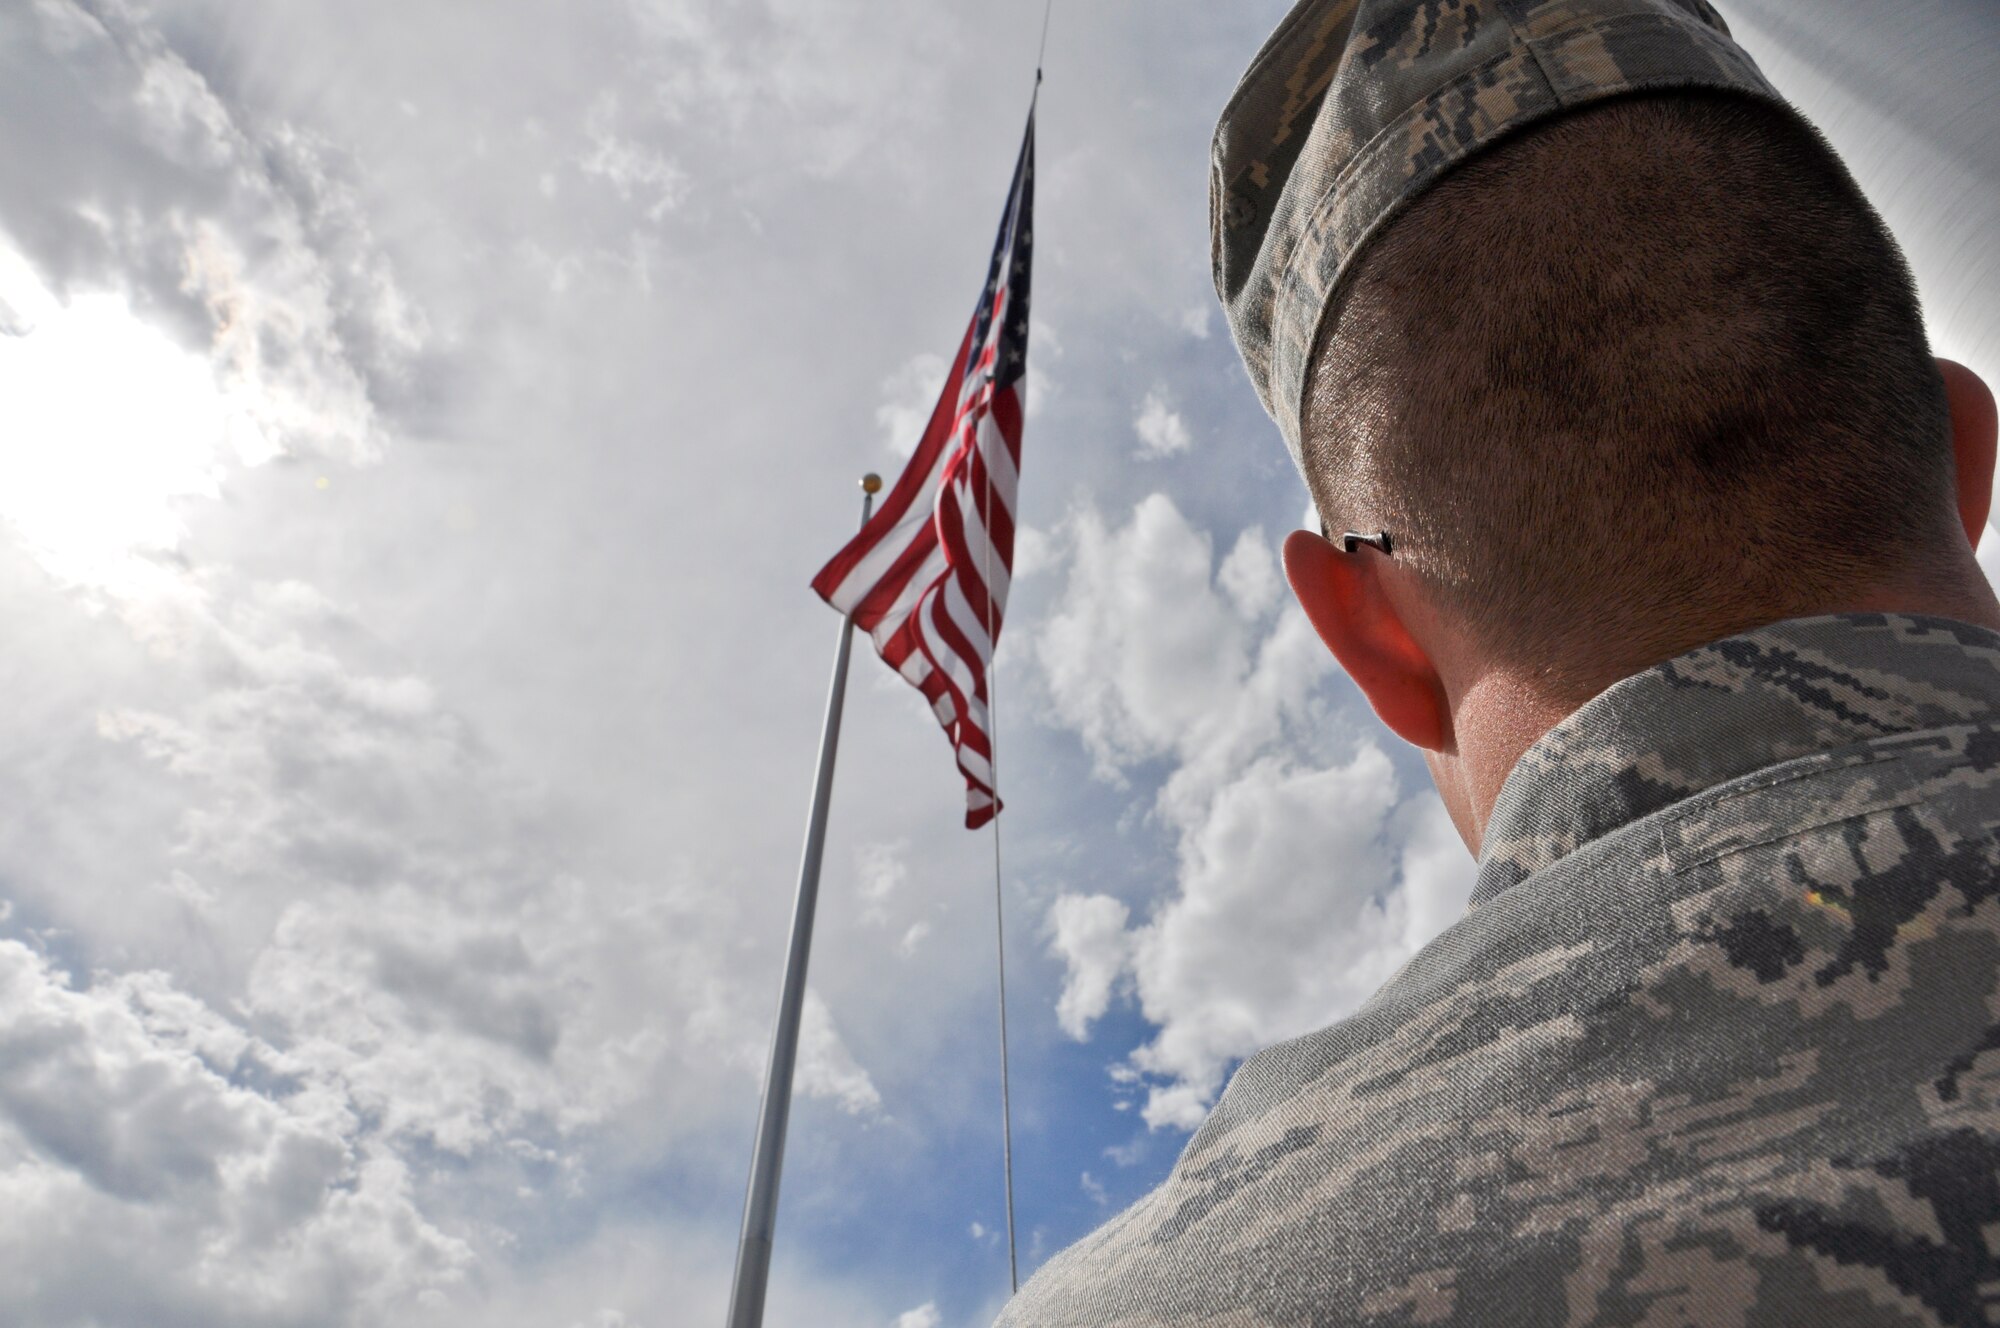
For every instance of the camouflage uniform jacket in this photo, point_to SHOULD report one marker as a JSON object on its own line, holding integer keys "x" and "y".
{"x": 1718, "y": 1042}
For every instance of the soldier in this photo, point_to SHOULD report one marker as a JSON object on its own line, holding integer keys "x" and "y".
{"x": 1652, "y": 526}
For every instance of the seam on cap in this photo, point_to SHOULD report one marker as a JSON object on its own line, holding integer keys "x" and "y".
{"x": 1515, "y": 17}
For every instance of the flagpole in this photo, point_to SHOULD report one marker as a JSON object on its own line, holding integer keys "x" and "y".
{"x": 993, "y": 764}
{"x": 999, "y": 904}
{"x": 760, "y": 1205}
{"x": 1000, "y": 944}
{"x": 1000, "y": 911}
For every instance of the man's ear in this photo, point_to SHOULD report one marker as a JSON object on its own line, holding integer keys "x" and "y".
{"x": 1974, "y": 429}
{"x": 1347, "y": 604}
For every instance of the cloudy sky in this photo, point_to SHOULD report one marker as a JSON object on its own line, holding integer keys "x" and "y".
{"x": 418, "y": 425}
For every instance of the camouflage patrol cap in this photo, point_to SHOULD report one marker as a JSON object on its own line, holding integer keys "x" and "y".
{"x": 1354, "y": 107}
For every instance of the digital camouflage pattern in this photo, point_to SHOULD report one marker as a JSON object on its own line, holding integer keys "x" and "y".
{"x": 1718, "y": 1042}
{"x": 1354, "y": 107}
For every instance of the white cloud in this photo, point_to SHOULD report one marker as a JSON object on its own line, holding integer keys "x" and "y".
{"x": 90, "y": 479}
{"x": 1045, "y": 348}
{"x": 826, "y": 1067}
{"x": 1094, "y": 1188}
{"x": 1437, "y": 873}
{"x": 1145, "y": 659}
{"x": 1250, "y": 575}
{"x": 923, "y": 1316}
{"x": 1301, "y": 885}
{"x": 881, "y": 871}
{"x": 127, "y": 1112}
{"x": 418, "y": 977}
{"x": 882, "y": 875}
{"x": 1034, "y": 552}
{"x": 1138, "y": 649}
{"x": 1088, "y": 934}
{"x": 1132, "y": 1151}
{"x": 1296, "y": 901}
{"x": 800, "y": 66}
{"x": 671, "y": 1274}
{"x": 634, "y": 171}
{"x": 458, "y": 994}
{"x": 247, "y": 239}
{"x": 1300, "y": 892}
{"x": 908, "y": 394}
{"x": 366, "y": 889}
{"x": 1161, "y": 430}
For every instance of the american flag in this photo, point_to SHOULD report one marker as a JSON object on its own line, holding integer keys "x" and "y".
{"x": 927, "y": 576}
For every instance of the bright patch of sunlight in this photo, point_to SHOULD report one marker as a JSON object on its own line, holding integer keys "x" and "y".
{"x": 106, "y": 428}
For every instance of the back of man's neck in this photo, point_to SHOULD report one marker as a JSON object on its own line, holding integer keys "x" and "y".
{"x": 1507, "y": 709}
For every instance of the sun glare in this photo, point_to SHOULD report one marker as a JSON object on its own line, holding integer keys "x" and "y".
{"x": 107, "y": 429}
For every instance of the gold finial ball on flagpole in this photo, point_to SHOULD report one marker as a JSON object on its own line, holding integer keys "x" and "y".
{"x": 871, "y": 483}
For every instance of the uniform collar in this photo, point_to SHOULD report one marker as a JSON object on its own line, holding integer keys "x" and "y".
{"x": 1728, "y": 709}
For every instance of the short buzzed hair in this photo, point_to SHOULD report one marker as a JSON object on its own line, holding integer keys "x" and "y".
{"x": 1652, "y": 368}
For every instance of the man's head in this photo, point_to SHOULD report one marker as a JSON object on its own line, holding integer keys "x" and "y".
{"x": 1636, "y": 378}
{"x": 1566, "y": 299}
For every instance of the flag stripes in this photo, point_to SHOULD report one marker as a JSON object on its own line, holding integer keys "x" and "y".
{"x": 927, "y": 577}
